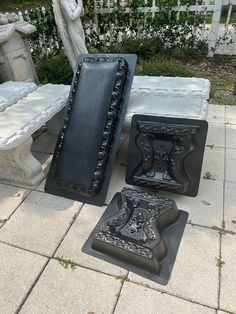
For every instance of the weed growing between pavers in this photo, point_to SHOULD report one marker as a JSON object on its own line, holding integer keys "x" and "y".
{"x": 209, "y": 176}
{"x": 66, "y": 263}
{"x": 210, "y": 146}
{"x": 219, "y": 262}
{"x": 2, "y": 221}
{"x": 122, "y": 278}
{"x": 222, "y": 229}
{"x": 191, "y": 223}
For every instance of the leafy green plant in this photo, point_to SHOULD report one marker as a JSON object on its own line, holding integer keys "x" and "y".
{"x": 219, "y": 262}
{"x": 56, "y": 70}
{"x": 66, "y": 263}
{"x": 122, "y": 278}
{"x": 151, "y": 34}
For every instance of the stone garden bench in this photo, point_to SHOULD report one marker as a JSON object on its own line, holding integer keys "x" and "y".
{"x": 17, "y": 124}
{"x": 177, "y": 97}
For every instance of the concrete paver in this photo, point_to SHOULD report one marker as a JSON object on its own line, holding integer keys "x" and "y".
{"x": 61, "y": 290}
{"x": 231, "y": 135}
{"x": 138, "y": 299}
{"x": 10, "y": 198}
{"x": 195, "y": 274}
{"x": 40, "y": 222}
{"x": 71, "y": 246}
{"x": 206, "y": 208}
{"x": 216, "y": 114}
{"x": 230, "y": 171}
{"x": 230, "y": 114}
{"x": 18, "y": 271}
{"x": 230, "y": 206}
{"x": 228, "y": 274}
{"x": 213, "y": 163}
{"x": 216, "y": 135}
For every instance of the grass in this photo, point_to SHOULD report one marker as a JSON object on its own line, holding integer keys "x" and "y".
{"x": 160, "y": 66}
{"x": 221, "y": 88}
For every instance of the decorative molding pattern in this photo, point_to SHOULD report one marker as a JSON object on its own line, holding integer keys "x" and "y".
{"x": 11, "y": 92}
{"x": 166, "y": 153}
{"x": 162, "y": 128}
{"x": 32, "y": 112}
{"x": 135, "y": 194}
{"x": 108, "y": 237}
{"x": 133, "y": 233}
{"x": 171, "y": 86}
{"x": 111, "y": 123}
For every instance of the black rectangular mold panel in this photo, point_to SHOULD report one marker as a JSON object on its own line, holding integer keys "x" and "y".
{"x": 88, "y": 141}
{"x": 166, "y": 153}
{"x": 139, "y": 232}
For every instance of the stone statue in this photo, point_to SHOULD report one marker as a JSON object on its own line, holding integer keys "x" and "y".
{"x": 67, "y": 16}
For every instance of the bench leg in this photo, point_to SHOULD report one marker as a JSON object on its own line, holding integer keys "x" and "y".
{"x": 18, "y": 166}
{"x": 54, "y": 125}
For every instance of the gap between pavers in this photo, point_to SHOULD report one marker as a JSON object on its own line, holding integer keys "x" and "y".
{"x": 18, "y": 271}
{"x": 72, "y": 291}
{"x": 40, "y": 222}
{"x": 228, "y": 274}
{"x": 216, "y": 135}
{"x": 213, "y": 163}
{"x": 231, "y": 136}
{"x": 71, "y": 246}
{"x": 138, "y": 299}
{"x": 230, "y": 171}
{"x": 206, "y": 209}
{"x": 195, "y": 274}
{"x": 10, "y": 198}
{"x": 230, "y": 206}
{"x": 230, "y": 114}
{"x": 216, "y": 114}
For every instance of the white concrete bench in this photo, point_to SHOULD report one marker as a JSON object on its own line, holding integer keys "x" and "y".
{"x": 11, "y": 92}
{"x": 17, "y": 123}
{"x": 169, "y": 97}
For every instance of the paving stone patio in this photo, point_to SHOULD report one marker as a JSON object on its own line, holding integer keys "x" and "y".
{"x": 38, "y": 230}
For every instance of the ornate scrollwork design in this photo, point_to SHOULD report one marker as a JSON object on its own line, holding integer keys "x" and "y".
{"x": 108, "y": 134}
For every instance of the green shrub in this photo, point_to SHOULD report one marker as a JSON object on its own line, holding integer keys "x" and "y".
{"x": 143, "y": 48}
{"x": 56, "y": 70}
{"x": 159, "y": 66}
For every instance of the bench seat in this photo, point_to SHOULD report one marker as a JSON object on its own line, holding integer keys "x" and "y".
{"x": 11, "y": 92}
{"x": 17, "y": 124}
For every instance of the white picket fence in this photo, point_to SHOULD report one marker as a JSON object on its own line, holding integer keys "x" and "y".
{"x": 221, "y": 37}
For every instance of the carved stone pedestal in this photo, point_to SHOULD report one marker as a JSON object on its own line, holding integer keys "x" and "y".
{"x": 16, "y": 63}
{"x": 18, "y": 166}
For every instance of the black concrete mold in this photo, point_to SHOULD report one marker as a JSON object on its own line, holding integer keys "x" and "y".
{"x": 166, "y": 153}
{"x": 89, "y": 138}
{"x": 139, "y": 232}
